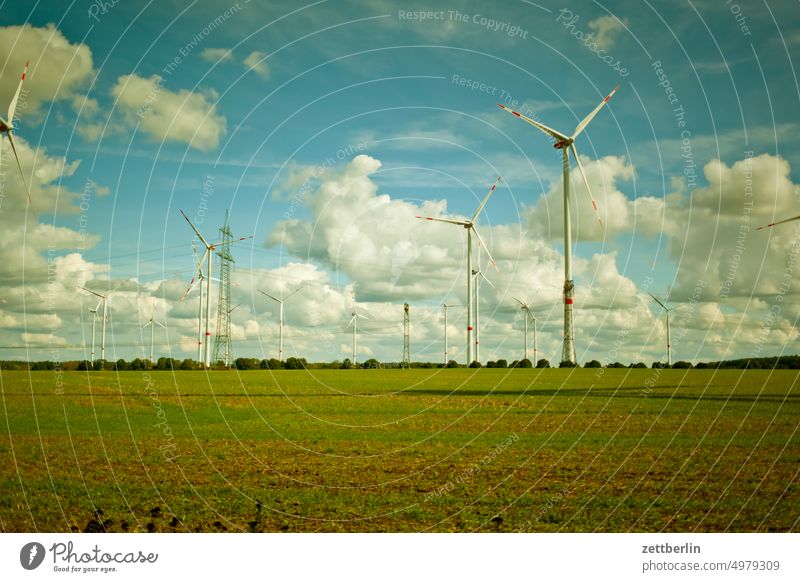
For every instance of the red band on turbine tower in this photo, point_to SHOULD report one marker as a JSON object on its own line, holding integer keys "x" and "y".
{"x": 469, "y": 328}
{"x": 568, "y": 301}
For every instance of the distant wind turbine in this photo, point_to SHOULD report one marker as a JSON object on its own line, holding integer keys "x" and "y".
{"x": 566, "y": 144}
{"x": 354, "y": 323}
{"x": 104, "y": 301}
{"x": 94, "y": 326}
{"x": 528, "y": 317}
{"x": 478, "y": 275}
{"x": 152, "y": 323}
{"x": 281, "y": 321}
{"x": 669, "y": 344}
{"x": 444, "y": 310}
{"x": 469, "y": 225}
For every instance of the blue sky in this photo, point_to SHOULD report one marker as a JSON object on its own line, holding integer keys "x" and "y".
{"x": 276, "y": 103}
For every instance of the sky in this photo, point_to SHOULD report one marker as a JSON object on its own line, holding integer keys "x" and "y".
{"x": 326, "y": 128}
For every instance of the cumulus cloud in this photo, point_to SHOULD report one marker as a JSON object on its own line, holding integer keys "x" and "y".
{"x": 256, "y": 62}
{"x": 618, "y": 213}
{"x": 712, "y": 234}
{"x": 213, "y": 55}
{"x": 606, "y": 29}
{"x": 391, "y": 256}
{"x": 186, "y": 116}
{"x": 59, "y": 70}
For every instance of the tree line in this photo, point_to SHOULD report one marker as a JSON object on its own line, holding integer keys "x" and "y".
{"x": 767, "y": 363}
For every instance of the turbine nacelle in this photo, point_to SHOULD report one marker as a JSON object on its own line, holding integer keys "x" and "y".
{"x": 564, "y": 143}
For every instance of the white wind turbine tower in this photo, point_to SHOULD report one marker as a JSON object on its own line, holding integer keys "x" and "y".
{"x": 529, "y": 317}
{"x": 354, "y": 323}
{"x": 444, "y": 310}
{"x": 566, "y": 144}
{"x": 7, "y": 127}
{"x": 94, "y": 326}
{"x": 152, "y": 323}
{"x": 197, "y": 279}
{"x": 104, "y": 301}
{"x": 669, "y": 343}
{"x": 469, "y": 225}
{"x": 206, "y": 255}
{"x": 478, "y": 274}
{"x": 281, "y": 321}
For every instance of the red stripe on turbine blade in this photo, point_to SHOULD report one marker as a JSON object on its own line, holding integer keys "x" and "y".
{"x": 469, "y": 328}
{"x": 208, "y": 333}
{"x": 568, "y": 301}
{"x": 515, "y": 113}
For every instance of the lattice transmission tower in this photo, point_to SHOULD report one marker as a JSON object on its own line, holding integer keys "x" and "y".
{"x": 222, "y": 341}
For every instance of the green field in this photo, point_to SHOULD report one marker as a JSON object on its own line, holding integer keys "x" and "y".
{"x": 401, "y": 450}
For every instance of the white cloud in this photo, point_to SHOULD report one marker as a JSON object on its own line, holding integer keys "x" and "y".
{"x": 186, "y": 116}
{"x": 213, "y": 55}
{"x": 618, "y": 213}
{"x": 256, "y": 62}
{"x": 712, "y": 234}
{"x": 606, "y": 29}
{"x": 59, "y": 70}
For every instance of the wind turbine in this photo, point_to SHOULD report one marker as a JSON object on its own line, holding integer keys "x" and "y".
{"x": 669, "y": 344}
{"x": 152, "y": 323}
{"x": 94, "y": 325}
{"x": 281, "y": 321}
{"x": 7, "y": 127}
{"x": 210, "y": 248}
{"x": 528, "y": 317}
{"x": 771, "y": 224}
{"x": 104, "y": 301}
{"x": 470, "y": 226}
{"x": 566, "y": 144}
{"x": 478, "y": 273}
{"x": 444, "y": 309}
{"x": 354, "y": 323}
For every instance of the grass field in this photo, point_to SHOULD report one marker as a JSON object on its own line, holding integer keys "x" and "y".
{"x": 401, "y": 450}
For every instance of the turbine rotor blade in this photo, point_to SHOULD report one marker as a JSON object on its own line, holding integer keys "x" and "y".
{"x": 12, "y": 107}
{"x": 21, "y": 173}
{"x": 295, "y": 292}
{"x": 485, "y": 248}
{"x": 542, "y": 127}
{"x": 94, "y": 293}
{"x": 482, "y": 276}
{"x": 485, "y": 200}
{"x": 582, "y": 125}
{"x": 586, "y": 181}
{"x": 197, "y": 232}
{"x": 524, "y": 306}
{"x": 458, "y": 222}
{"x": 770, "y": 225}
{"x": 270, "y": 296}
{"x": 657, "y": 301}
{"x": 192, "y": 283}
